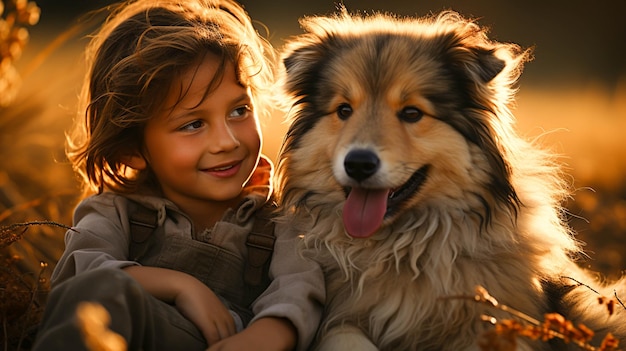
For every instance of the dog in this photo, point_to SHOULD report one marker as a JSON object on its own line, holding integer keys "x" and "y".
{"x": 403, "y": 171}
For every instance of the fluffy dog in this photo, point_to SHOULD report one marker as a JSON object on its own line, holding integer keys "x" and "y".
{"x": 403, "y": 170}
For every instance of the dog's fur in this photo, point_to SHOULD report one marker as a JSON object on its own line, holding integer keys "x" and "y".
{"x": 420, "y": 108}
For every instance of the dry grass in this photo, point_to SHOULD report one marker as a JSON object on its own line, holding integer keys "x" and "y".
{"x": 506, "y": 332}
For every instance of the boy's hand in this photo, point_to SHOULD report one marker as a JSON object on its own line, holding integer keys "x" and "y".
{"x": 265, "y": 334}
{"x": 192, "y": 298}
{"x": 201, "y": 306}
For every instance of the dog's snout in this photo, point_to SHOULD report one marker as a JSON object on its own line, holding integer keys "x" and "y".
{"x": 361, "y": 164}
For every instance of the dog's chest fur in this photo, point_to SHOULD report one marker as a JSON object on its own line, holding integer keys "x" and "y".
{"x": 404, "y": 292}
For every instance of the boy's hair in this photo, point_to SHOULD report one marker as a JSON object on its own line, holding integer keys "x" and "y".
{"x": 133, "y": 59}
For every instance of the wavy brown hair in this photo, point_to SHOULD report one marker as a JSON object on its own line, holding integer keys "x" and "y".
{"x": 133, "y": 59}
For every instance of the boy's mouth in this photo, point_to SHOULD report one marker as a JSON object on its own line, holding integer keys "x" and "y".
{"x": 224, "y": 170}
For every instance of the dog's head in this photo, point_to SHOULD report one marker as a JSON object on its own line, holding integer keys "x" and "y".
{"x": 391, "y": 115}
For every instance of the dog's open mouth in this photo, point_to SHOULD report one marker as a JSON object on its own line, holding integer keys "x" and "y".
{"x": 365, "y": 209}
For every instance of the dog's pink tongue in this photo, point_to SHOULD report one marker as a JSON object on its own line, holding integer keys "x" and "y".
{"x": 363, "y": 211}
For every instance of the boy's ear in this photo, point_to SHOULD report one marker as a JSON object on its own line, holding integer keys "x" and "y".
{"x": 135, "y": 161}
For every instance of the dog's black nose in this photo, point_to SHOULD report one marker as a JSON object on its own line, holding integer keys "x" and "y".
{"x": 361, "y": 164}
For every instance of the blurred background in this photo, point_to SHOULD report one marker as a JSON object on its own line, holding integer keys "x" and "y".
{"x": 572, "y": 97}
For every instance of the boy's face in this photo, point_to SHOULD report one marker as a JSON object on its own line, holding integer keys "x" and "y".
{"x": 204, "y": 149}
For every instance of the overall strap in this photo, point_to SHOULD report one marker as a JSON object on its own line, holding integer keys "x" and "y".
{"x": 260, "y": 244}
{"x": 143, "y": 222}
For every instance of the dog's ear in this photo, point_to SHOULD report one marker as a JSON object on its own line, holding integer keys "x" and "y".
{"x": 300, "y": 61}
{"x": 303, "y": 58}
{"x": 482, "y": 60}
{"x": 304, "y": 55}
{"x": 486, "y": 72}
{"x": 488, "y": 66}
{"x": 479, "y": 64}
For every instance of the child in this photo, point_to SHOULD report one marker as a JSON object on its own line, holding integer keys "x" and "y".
{"x": 171, "y": 144}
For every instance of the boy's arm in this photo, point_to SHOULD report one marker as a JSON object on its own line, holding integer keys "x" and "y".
{"x": 297, "y": 291}
{"x": 192, "y": 298}
{"x": 264, "y": 334}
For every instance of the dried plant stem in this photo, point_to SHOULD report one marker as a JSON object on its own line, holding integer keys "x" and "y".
{"x": 610, "y": 303}
{"x": 483, "y": 296}
{"x": 32, "y": 223}
{"x": 527, "y": 326}
{"x": 14, "y": 232}
{"x": 618, "y": 299}
{"x": 5, "y": 332}
{"x": 31, "y": 303}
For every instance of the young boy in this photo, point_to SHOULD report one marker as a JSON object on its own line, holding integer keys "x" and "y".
{"x": 171, "y": 144}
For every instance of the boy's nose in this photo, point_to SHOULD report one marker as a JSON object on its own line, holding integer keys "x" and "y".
{"x": 222, "y": 139}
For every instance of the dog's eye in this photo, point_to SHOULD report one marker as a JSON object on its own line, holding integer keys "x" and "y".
{"x": 344, "y": 111}
{"x": 410, "y": 114}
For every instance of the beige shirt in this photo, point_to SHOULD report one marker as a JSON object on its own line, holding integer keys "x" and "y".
{"x": 101, "y": 238}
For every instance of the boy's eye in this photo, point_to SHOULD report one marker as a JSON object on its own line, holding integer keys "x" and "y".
{"x": 192, "y": 125}
{"x": 241, "y": 111}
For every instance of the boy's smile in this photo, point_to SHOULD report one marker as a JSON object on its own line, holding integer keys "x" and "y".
{"x": 204, "y": 147}
{"x": 224, "y": 171}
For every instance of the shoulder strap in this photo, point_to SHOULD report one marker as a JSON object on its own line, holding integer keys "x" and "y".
{"x": 260, "y": 244}
{"x": 143, "y": 222}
